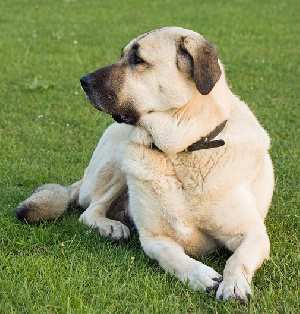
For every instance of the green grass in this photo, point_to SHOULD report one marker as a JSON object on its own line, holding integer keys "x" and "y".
{"x": 48, "y": 132}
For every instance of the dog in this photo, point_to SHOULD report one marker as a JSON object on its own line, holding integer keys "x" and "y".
{"x": 187, "y": 163}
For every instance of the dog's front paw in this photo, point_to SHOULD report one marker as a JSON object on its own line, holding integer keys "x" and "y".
{"x": 202, "y": 277}
{"x": 108, "y": 228}
{"x": 234, "y": 287}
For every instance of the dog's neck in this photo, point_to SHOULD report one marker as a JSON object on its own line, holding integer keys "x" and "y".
{"x": 201, "y": 117}
{"x": 207, "y": 115}
{"x": 208, "y": 111}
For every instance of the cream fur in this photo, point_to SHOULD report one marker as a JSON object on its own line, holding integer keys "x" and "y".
{"x": 188, "y": 204}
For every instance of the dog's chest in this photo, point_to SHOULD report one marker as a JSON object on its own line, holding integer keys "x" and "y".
{"x": 195, "y": 170}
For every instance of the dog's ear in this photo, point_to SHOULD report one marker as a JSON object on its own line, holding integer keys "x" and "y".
{"x": 205, "y": 69}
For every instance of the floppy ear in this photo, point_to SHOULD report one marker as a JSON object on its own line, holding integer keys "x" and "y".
{"x": 205, "y": 67}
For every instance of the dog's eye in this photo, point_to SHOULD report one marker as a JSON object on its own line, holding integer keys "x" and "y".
{"x": 136, "y": 60}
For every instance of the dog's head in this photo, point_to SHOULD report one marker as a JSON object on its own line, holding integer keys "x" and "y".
{"x": 157, "y": 71}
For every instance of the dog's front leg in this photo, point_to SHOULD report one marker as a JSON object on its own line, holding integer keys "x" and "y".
{"x": 240, "y": 267}
{"x": 152, "y": 192}
{"x": 246, "y": 236}
{"x": 172, "y": 258}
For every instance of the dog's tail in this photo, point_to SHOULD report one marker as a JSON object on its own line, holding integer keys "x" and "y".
{"x": 47, "y": 202}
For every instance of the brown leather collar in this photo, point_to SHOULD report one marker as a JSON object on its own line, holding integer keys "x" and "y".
{"x": 205, "y": 142}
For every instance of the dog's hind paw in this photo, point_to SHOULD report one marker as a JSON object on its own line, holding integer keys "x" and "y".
{"x": 113, "y": 230}
{"x": 108, "y": 228}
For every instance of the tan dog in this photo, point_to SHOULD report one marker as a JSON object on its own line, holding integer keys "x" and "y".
{"x": 195, "y": 162}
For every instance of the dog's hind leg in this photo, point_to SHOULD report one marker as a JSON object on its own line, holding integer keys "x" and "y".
{"x": 98, "y": 215}
{"x": 103, "y": 183}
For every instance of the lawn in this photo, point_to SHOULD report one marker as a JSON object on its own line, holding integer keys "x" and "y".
{"x": 48, "y": 132}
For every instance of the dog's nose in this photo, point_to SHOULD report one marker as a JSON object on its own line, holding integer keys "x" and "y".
{"x": 85, "y": 82}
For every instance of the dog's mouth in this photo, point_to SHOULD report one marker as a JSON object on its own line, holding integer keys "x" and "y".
{"x": 107, "y": 102}
{"x": 127, "y": 116}
{"x": 91, "y": 101}
{"x": 124, "y": 119}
